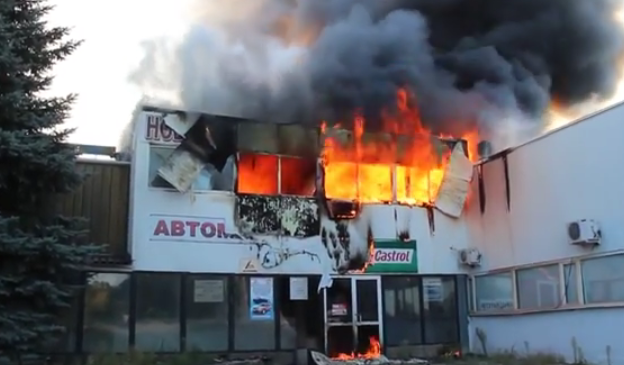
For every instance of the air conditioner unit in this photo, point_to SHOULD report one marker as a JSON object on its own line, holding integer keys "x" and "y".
{"x": 470, "y": 257}
{"x": 584, "y": 232}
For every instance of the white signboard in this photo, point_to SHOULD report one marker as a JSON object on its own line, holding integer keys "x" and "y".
{"x": 298, "y": 288}
{"x": 208, "y": 291}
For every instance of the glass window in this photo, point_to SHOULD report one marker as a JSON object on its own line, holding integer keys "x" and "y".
{"x": 402, "y": 313}
{"x": 603, "y": 279}
{"x": 440, "y": 310}
{"x": 570, "y": 284}
{"x": 158, "y": 312}
{"x": 106, "y": 313}
{"x": 254, "y": 318}
{"x": 538, "y": 287}
{"x": 209, "y": 178}
{"x": 207, "y": 313}
{"x": 290, "y": 310}
{"x": 470, "y": 292}
{"x": 494, "y": 292}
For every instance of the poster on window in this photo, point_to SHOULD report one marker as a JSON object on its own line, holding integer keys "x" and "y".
{"x": 433, "y": 289}
{"x": 208, "y": 291}
{"x": 261, "y": 298}
{"x": 298, "y": 288}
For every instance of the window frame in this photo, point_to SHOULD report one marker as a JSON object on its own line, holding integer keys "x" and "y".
{"x": 578, "y": 275}
{"x": 279, "y": 172}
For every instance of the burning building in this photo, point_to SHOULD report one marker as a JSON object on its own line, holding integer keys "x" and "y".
{"x": 319, "y": 184}
{"x": 346, "y": 214}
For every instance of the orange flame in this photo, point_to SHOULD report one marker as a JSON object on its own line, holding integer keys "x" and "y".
{"x": 373, "y": 352}
{"x": 365, "y": 167}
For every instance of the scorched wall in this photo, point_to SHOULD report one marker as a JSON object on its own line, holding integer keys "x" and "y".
{"x": 542, "y": 293}
{"x": 212, "y": 231}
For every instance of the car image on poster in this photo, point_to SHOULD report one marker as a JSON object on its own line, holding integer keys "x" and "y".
{"x": 261, "y": 299}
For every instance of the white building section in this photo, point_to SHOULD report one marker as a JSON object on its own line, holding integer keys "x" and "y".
{"x": 202, "y": 225}
{"x": 548, "y": 222}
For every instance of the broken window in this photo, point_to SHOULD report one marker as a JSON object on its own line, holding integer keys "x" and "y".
{"x": 204, "y": 160}
{"x": 209, "y": 178}
{"x": 272, "y": 175}
{"x": 357, "y": 168}
{"x": 258, "y": 174}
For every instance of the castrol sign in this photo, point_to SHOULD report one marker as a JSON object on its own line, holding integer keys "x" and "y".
{"x": 393, "y": 256}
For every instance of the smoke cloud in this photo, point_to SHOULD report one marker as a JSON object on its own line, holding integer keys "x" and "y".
{"x": 488, "y": 63}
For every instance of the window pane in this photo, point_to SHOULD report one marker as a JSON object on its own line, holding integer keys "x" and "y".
{"x": 158, "y": 312}
{"x": 603, "y": 279}
{"x": 470, "y": 294}
{"x": 207, "y": 313}
{"x": 254, "y": 322}
{"x": 538, "y": 287}
{"x": 440, "y": 310}
{"x": 297, "y": 176}
{"x": 570, "y": 284}
{"x": 402, "y": 310}
{"x": 257, "y": 174}
{"x": 494, "y": 292}
{"x": 106, "y": 313}
{"x": 290, "y": 310}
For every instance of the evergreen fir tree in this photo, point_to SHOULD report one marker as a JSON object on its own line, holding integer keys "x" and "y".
{"x": 36, "y": 251}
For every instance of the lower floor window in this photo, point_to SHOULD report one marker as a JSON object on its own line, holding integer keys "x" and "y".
{"x": 254, "y": 313}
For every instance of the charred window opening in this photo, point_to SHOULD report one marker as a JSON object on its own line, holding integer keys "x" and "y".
{"x": 258, "y": 174}
{"x": 265, "y": 174}
{"x": 384, "y": 167}
{"x": 297, "y": 176}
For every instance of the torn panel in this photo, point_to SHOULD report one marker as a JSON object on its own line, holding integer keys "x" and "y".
{"x": 454, "y": 188}
{"x": 299, "y": 217}
{"x": 180, "y": 122}
{"x": 208, "y": 141}
{"x": 258, "y": 214}
{"x": 181, "y": 169}
{"x": 296, "y": 140}
{"x": 257, "y": 137}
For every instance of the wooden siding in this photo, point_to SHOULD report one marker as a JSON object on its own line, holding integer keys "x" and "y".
{"x": 103, "y": 199}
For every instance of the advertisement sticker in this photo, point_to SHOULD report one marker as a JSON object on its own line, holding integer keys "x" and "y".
{"x": 261, "y": 298}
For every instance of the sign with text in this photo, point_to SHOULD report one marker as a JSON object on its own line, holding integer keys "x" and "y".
{"x": 189, "y": 229}
{"x": 393, "y": 256}
{"x": 158, "y": 131}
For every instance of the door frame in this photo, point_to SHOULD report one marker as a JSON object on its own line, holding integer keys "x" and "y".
{"x": 355, "y": 321}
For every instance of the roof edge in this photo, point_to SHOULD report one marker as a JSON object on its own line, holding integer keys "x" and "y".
{"x": 573, "y": 123}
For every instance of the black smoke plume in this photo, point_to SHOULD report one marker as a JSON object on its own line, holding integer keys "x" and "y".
{"x": 465, "y": 62}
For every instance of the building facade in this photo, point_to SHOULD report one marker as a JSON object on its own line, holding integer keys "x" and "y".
{"x": 538, "y": 289}
{"x": 221, "y": 257}
{"x": 224, "y": 260}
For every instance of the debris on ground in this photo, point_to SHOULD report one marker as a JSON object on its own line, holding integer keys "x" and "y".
{"x": 321, "y": 359}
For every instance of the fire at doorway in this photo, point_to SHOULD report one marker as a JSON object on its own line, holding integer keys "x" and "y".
{"x": 353, "y": 319}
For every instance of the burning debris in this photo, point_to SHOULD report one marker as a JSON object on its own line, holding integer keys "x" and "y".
{"x": 372, "y": 356}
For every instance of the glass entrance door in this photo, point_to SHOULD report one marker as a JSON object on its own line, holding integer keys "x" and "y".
{"x": 352, "y": 312}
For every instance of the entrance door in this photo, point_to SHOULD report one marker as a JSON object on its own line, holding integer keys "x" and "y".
{"x": 352, "y": 313}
